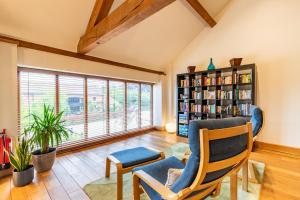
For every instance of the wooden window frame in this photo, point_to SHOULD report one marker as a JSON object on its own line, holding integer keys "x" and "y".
{"x": 98, "y": 139}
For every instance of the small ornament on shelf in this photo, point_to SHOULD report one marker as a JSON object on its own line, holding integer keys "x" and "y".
{"x": 211, "y": 65}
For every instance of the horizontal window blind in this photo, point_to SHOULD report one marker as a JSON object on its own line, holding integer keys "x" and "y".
{"x": 71, "y": 102}
{"x": 36, "y": 89}
{"x": 133, "y": 106}
{"x": 94, "y": 107}
{"x": 116, "y": 106}
{"x": 97, "y": 104}
{"x": 145, "y": 105}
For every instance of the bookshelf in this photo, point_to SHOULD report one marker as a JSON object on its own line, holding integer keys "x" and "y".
{"x": 213, "y": 94}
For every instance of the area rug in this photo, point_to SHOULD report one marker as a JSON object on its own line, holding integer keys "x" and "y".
{"x": 105, "y": 188}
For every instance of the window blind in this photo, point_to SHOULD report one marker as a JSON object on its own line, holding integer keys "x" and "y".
{"x": 94, "y": 107}
{"x": 36, "y": 89}
{"x": 132, "y": 106}
{"x": 71, "y": 102}
{"x": 97, "y": 95}
{"x": 146, "y": 105}
{"x": 116, "y": 106}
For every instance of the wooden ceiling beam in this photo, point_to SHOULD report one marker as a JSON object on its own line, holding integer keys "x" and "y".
{"x": 39, "y": 47}
{"x": 202, "y": 12}
{"x": 100, "y": 11}
{"x": 128, "y": 14}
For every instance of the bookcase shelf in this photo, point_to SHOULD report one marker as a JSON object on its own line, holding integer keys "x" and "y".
{"x": 220, "y": 93}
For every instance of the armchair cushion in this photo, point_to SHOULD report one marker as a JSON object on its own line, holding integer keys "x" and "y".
{"x": 135, "y": 156}
{"x": 159, "y": 171}
{"x": 219, "y": 149}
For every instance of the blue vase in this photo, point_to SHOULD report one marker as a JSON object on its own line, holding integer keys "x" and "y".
{"x": 211, "y": 65}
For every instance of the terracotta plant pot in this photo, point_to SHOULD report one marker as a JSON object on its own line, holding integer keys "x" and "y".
{"x": 235, "y": 61}
{"x": 43, "y": 162}
{"x": 24, "y": 177}
{"x": 191, "y": 69}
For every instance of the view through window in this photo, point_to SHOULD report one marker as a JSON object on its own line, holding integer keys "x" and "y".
{"x": 93, "y": 107}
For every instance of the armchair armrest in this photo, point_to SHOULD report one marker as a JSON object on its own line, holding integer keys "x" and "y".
{"x": 165, "y": 192}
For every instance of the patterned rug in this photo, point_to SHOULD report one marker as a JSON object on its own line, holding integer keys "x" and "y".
{"x": 105, "y": 188}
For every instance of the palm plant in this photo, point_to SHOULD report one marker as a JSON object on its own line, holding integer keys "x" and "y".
{"x": 20, "y": 160}
{"x": 48, "y": 129}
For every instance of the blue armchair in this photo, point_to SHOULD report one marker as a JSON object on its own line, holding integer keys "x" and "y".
{"x": 256, "y": 120}
{"x": 223, "y": 146}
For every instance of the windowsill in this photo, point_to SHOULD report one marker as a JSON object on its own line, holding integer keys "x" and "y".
{"x": 74, "y": 145}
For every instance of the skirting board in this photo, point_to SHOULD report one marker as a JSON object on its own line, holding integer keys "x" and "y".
{"x": 292, "y": 151}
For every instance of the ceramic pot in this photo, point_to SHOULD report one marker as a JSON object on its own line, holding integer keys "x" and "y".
{"x": 235, "y": 61}
{"x": 43, "y": 162}
{"x": 24, "y": 177}
{"x": 191, "y": 69}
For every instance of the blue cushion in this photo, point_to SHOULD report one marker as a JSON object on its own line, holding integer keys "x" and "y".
{"x": 159, "y": 171}
{"x": 256, "y": 119}
{"x": 135, "y": 156}
{"x": 219, "y": 149}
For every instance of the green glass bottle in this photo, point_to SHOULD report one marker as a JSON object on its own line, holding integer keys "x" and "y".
{"x": 211, "y": 65}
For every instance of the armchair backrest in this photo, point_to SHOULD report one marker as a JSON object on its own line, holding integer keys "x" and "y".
{"x": 218, "y": 147}
{"x": 257, "y": 119}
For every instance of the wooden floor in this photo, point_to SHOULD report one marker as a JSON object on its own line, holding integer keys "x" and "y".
{"x": 73, "y": 170}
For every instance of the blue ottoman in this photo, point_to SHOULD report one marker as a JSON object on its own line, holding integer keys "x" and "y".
{"x": 127, "y": 160}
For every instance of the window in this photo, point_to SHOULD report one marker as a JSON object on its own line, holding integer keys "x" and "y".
{"x": 36, "y": 89}
{"x": 132, "y": 105}
{"x": 116, "y": 106}
{"x": 93, "y": 107}
{"x": 145, "y": 105}
{"x": 97, "y": 94}
{"x": 71, "y": 102}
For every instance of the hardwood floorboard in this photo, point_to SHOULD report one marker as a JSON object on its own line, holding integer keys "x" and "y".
{"x": 73, "y": 170}
{"x": 5, "y": 188}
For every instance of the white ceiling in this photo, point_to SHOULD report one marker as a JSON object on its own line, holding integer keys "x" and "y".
{"x": 153, "y": 43}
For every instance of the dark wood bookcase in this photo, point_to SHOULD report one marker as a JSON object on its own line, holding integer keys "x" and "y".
{"x": 213, "y": 94}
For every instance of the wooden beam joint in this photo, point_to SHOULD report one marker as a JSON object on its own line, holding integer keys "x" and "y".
{"x": 128, "y": 14}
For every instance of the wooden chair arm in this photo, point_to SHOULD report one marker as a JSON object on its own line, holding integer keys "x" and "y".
{"x": 165, "y": 192}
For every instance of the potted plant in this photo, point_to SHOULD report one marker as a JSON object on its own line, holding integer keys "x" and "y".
{"x": 47, "y": 132}
{"x": 23, "y": 172}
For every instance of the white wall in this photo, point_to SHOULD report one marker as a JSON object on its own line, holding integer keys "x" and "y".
{"x": 8, "y": 88}
{"x": 40, "y": 59}
{"x": 265, "y": 32}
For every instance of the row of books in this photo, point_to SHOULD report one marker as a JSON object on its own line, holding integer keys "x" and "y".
{"x": 183, "y": 129}
{"x": 209, "y": 109}
{"x": 228, "y": 110}
{"x": 223, "y": 94}
{"x": 209, "y": 94}
{"x": 197, "y": 81}
{"x": 225, "y": 79}
{"x": 196, "y": 95}
{"x": 183, "y": 119}
{"x": 195, "y": 107}
{"x": 184, "y": 83}
{"x": 244, "y": 94}
{"x": 244, "y": 109}
{"x": 184, "y": 107}
{"x": 245, "y": 78}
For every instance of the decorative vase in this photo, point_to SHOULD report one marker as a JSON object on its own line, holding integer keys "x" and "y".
{"x": 211, "y": 65}
{"x": 43, "y": 162}
{"x": 235, "y": 61}
{"x": 191, "y": 69}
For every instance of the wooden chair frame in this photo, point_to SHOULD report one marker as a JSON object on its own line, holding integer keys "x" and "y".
{"x": 210, "y": 188}
{"x": 120, "y": 170}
